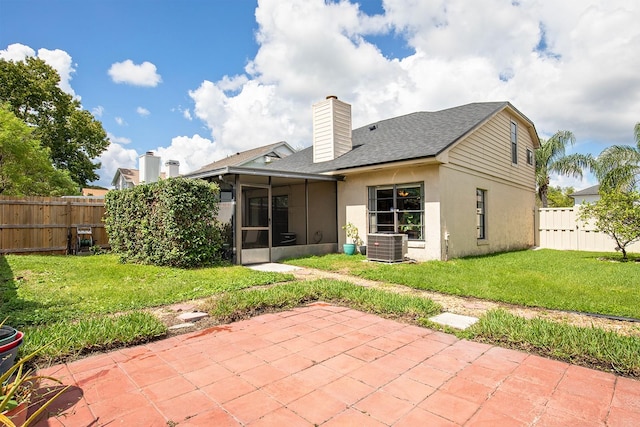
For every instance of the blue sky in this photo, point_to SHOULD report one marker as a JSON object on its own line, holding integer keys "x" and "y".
{"x": 198, "y": 80}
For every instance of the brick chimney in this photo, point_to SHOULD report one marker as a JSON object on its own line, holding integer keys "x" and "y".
{"x": 331, "y": 129}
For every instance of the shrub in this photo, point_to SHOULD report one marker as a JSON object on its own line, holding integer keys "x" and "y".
{"x": 171, "y": 222}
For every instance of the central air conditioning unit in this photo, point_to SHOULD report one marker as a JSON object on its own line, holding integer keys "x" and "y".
{"x": 387, "y": 247}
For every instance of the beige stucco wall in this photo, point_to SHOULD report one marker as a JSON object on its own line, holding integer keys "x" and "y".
{"x": 353, "y": 199}
{"x": 510, "y": 211}
{"x": 322, "y": 213}
{"x": 483, "y": 161}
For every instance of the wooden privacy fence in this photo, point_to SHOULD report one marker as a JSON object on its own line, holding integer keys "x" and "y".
{"x": 49, "y": 224}
{"x": 560, "y": 228}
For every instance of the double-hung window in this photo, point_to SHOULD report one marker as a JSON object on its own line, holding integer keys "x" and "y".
{"x": 514, "y": 143}
{"x": 397, "y": 209}
{"x": 481, "y": 211}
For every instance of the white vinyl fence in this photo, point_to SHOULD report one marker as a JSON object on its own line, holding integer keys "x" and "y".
{"x": 560, "y": 228}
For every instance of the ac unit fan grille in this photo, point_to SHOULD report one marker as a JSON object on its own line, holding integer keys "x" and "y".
{"x": 386, "y": 247}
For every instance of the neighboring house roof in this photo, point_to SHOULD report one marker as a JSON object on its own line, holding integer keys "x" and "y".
{"x": 589, "y": 191}
{"x": 244, "y": 157}
{"x": 95, "y": 192}
{"x": 412, "y": 136}
{"x": 129, "y": 175}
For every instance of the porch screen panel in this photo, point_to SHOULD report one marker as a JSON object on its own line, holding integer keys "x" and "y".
{"x": 255, "y": 217}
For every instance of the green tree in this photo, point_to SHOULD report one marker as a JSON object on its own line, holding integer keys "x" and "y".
{"x": 618, "y": 166}
{"x": 616, "y": 214}
{"x": 558, "y": 197}
{"x": 72, "y": 135}
{"x": 25, "y": 166}
{"x": 551, "y": 158}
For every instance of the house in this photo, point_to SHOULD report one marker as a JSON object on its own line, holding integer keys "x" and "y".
{"x": 457, "y": 182}
{"x": 257, "y": 157}
{"x": 587, "y": 195}
{"x": 149, "y": 172}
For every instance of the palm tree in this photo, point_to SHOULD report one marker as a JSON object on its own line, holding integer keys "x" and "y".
{"x": 551, "y": 158}
{"x": 618, "y": 166}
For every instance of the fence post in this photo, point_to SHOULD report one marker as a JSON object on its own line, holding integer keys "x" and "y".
{"x": 68, "y": 222}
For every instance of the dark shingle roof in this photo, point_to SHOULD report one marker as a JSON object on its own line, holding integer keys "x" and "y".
{"x": 412, "y": 136}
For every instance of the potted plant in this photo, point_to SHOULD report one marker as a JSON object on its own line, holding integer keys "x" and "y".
{"x": 18, "y": 385}
{"x": 352, "y": 234}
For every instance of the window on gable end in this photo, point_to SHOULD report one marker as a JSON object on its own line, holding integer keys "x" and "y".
{"x": 514, "y": 143}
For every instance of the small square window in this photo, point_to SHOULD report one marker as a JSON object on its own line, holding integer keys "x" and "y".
{"x": 529, "y": 157}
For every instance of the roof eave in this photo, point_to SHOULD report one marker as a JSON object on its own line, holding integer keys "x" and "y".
{"x": 427, "y": 160}
{"x": 238, "y": 170}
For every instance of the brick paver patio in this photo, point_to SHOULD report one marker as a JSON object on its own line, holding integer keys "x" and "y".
{"x": 333, "y": 366}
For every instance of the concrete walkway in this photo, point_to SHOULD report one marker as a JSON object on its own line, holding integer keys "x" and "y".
{"x": 334, "y": 366}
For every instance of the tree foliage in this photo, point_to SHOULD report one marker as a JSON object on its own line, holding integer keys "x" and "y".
{"x": 618, "y": 166}
{"x": 72, "y": 135}
{"x": 25, "y": 166}
{"x": 616, "y": 214}
{"x": 171, "y": 222}
{"x": 551, "y": 158}
{"x": 558, "y": 197}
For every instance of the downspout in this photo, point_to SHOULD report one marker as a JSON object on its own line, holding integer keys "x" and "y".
{"x": 237, "y": 237}
{"x": 306, "y": 211}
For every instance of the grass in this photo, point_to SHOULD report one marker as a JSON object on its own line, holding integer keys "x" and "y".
{"x": 67, "y": 340}
{"x": 236, "y": 305}
{"x": 48, "y": 289}
{"x": 592, "y": 347}
{"x": 84, "y": 304}
{"x": 564, "y": 280}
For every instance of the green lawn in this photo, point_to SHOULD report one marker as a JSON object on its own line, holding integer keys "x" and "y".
{"x": 43, "y": 289}
{"x": 566, "y": 280}
{"x": 73, "y": 304}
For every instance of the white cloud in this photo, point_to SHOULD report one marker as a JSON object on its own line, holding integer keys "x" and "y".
{"x": 569, "y": 181}
{"x": 98, "y": 111}
{"x": 58, "y": 59}
{"x": 127, "y": 72}
{"x": 187, "y": 114}
{"x": 192, "y": 152}
{"x": 566, "y": 66}
{"x": 118, "y": 139}
{"x": 120, "y": 121}
{"x": 17, "y": 52}
{"x": 61, "y": 61}
{"x": 142, "y": 111}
